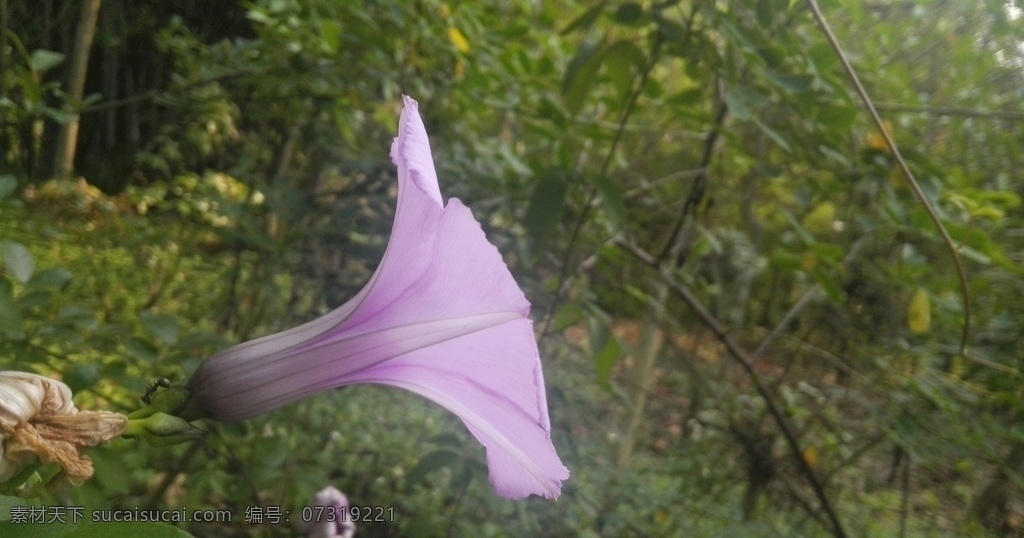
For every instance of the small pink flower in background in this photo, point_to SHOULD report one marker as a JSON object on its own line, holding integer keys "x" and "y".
{"x": 441, "y": 317}
{"x": 330, "y": 509}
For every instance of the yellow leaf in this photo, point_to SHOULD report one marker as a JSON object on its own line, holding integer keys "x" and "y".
{"x": 988, "y": 212}
{"x": 819, "y": 220}
{"x": 457, "y": 39}
{"x": 876, "y": 141}
{"x": 896, "y": 178}
{"x": 811, "y": 457}
{"x": 809, "y": 260}
{"x": 919, "y": 313}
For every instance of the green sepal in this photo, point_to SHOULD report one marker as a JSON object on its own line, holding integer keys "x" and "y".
{"x": 161, "y": 429}
{"x": 170, "y": 401}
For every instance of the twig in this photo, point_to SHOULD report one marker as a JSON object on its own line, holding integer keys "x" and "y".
{"x": 153, "y": 94}
{"x": 747, "y": 364}
{"x": 455, "y": 508}
{"x": 952, "y": 111}
{"x": 183, "y": 462}
{"x": 671, "y": 245}
{"x": 891, "y": 144}
{"x": 905, "y": 500}
{"x": 804, "y": 300}
{"x": 563, "y": 273}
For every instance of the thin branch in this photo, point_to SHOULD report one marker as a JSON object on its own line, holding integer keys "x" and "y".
{"x": 952, "y": 111}
{"x": 179, "y": 467}
{"x": 747, "y": 363}
{"x": 905, "y": 496}
{"x": 154, "y": 94}
{"x": 810, "y": 295}
{"x": 869, "y": 105}
{"x": 671, "y": 245}
{"x": 563, "y": 273}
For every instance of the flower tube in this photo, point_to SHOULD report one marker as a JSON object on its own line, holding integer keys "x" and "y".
{"x": 441, "y": 317}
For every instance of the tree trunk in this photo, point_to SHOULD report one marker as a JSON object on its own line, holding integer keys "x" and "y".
{"x": 3, "y": 48}
{"x": 65, "y": 155}
{"x": 8, "y": 135}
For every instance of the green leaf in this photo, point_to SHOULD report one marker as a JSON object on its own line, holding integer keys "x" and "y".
{"x": 114, "y": 529}
{"x": 28, "y": 530}
{"x": 975, "y": 243}
{"x": 653, "y": 89}
{"x": 62, "y": 117}
{"x": 805, "y": 236}
{"x": 793, "y": 83}
{"x": 687, "y": 98}
{"x": 630, "y": 13}
{"x": 829, "y": 284}
{"x": 8, "y": 184}
{"x": 774, "y": 136}
{"x": 447, "y": 439}
{"x": 141, "y": 349}
{"x": 839, "y": 117}
{"x": 621, "y": 60}
{"x": 611, "y": 198}
{"x": 18, "y": 260}
{"x": 546, "y": 207}
{"x": 765, "y": 13}
{"x": 463, "y": 476}
{"x": 200, "y": 339}
{"x": 567, "y": 315}
{"x": 331, "y": 31}
{"x": 162, "y": 326}
{"x": 431, "y": 462}
{"x": 34, "y": 298}
{"x": 6, "y": 502}
{"x": 78, "y": 316}
{"x": 579, "y": 77}
{"x": 44, "y": 60}
{"x": 82, "y": 376}
{"x": 737, "y": 104}
{"x": 53, "y": 278}
{"x": 670, "y": 29}
{"x": 827, "y": 251}
{"x": 586, "y": 20}
{"x": 10, "y": 316}
{"x": 551, "y": 111}
{"x": 605, "y": 359}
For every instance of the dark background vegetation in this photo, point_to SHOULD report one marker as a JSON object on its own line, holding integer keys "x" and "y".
{"x": 659, "y": 176}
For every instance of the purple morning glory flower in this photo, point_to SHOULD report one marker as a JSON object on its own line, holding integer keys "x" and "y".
{"x": 441, "y": 317}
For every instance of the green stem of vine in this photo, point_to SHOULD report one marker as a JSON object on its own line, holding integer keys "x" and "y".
{"x": 918, "y": 192}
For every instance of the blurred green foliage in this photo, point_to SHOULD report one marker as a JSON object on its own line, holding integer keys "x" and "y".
{"x": 246, "y": 187}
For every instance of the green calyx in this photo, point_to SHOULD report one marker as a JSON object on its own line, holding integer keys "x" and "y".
{"x": 171, "y": 401}
{"x": 162, "y": 429}
{"x": 158, "y": 422}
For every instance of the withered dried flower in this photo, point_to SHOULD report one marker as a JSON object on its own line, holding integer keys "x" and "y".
{"x": 39, "y": 422}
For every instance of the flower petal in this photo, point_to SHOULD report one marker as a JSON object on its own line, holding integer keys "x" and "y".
{"x": 441, "y": 317}
{"x": 481, "y": 378}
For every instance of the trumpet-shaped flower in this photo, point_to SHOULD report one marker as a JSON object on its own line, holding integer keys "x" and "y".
{"x": 441, "y": 317}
